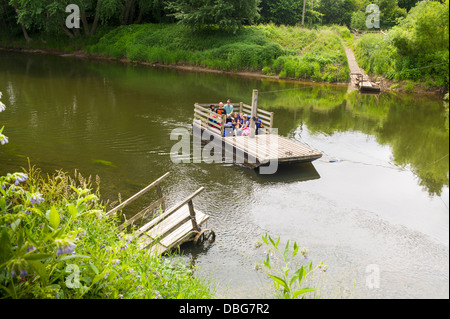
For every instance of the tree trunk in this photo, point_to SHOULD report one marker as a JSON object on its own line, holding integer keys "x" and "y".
{"x": 67, "y": 31}
{"x": 85, "y": 23}
{"x": 132, "y": 13}
{"x": 126, "y": 12}
{"x": 304, "y": 11}
{"x": 25, "y": 33}
{"x": 94, "y": 24}
{"x": 139, "y": 19}
{"x": 24, "y": 30}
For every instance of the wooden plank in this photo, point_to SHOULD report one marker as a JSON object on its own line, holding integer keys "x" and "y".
{"x": 169, "y": 224}
{"x": 208, "y": 125}
{"x": 259, "y": 110}
{"x": 136, "y": 196}
{"x": 144, "y": 212}
{"x": 170, "y": 211}
{"x": 173, "y": 239}
{"x": 208, "y": 115}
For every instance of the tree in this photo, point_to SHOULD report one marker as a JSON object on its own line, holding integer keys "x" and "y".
{"x": 223, "y": 13}
{"x": 337, "y": 11}
{"x": 407, "y": 4}
{"x": 289, "y": 12}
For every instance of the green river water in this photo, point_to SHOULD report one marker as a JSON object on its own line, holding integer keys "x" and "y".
{"x": 378, "y": 196}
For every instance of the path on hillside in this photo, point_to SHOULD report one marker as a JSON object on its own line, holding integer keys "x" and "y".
{"x": 353, "y": 65}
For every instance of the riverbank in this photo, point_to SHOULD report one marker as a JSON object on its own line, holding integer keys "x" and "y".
{"x": 264, "y": 51}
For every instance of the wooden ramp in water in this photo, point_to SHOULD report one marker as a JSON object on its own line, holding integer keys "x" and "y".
{"x": 167, "y": 229}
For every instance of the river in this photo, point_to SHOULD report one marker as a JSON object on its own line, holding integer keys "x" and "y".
{"x": 374, "y": 206}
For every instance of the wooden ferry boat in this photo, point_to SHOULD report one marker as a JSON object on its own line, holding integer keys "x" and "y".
{"x": 261, "y": 147}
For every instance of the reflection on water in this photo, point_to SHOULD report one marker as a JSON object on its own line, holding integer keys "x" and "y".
{"x": 378, "y": 196}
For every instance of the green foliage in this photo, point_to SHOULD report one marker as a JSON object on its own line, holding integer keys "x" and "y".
{"x": 226, "y": 14}
{"x": 337, "y": 11}
{"x": 286, "y": 51}
{"x": 288, "y": 12}
{"x": 170, "y": 44}
{"x": 289, "y": 285}
{"x": 56, "y": 242}
{"x": 416, "y": 49}
{"x": 323, "y": 59}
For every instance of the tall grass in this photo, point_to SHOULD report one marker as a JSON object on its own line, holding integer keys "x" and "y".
{"x": 289, "y": 52}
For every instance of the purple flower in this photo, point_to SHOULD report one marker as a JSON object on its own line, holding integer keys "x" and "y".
{"x": 36, "y": 198}
{"x": 116, "y": 262}
{"x": 68, "y": 249}
{"x": 23, "y": 273}
{"x": 3, "y": 139}
{"x": 31, "y": 248}
{"x": 20, "y": 178}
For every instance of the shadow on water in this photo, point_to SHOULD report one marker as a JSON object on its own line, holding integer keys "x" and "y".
{"x": 287, "y": 173}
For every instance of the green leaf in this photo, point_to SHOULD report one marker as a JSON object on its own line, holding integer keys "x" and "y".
{"x": 286, "y": 251}
{"x": 272, "y": 242}
{"x": 303, "y": 291}
{"x": 301, "y": 274}
{"x": 40, "y": 269}
{"x": 294, "y": 277}
{"x": 63, "y": 258}
{"x": 264, "y": 238}
{"x": 98, "y": 277}
{"x": 295, "y": 249}
{"x": 5, "y": 245}
{"x": 267, "y": 263}
{"x": 15, "y": 224}
{"x": 72, "y": 210}
{"x": 54, "y": 218}
{"x": 280, "y": 281}
{"x": 94, "y": 269}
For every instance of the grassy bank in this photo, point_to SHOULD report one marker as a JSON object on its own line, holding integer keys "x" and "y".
{"x": 56, "y": 242}
{"x": 415, "y": 52}
{"x": 288, "y": 52}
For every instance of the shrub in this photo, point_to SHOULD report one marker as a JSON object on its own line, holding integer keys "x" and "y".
{"x": 56, "y": 242}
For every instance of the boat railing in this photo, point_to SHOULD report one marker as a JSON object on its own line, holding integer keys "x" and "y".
{"x": 213, "y": 121}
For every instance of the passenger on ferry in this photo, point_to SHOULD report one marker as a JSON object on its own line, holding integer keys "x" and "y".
{"x": 229, "y": 109}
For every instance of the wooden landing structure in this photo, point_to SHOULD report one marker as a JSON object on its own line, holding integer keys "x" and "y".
{"x": 358, "y": 77}
{"x": 262, "y": 149}
{"x": 167, "y": 229}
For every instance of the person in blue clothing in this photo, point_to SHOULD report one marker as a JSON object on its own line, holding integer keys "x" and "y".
{"x": 229, "y": 109}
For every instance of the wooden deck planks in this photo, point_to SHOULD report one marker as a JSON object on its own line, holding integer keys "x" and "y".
{"x": 272, "y": 147}
{"x": 171, "y": 231}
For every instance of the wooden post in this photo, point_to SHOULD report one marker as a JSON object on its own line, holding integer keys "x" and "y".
{"x": 241, "y": 107}
{"x": 161, "y": 196}
{"x": 222, "y": 127}
{"x": 271, "y": 122}
{"x": 193, "y": 218}
{"x": 254, "y": 113}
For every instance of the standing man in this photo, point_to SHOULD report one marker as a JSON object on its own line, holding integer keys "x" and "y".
{"x": 229, "y": 109}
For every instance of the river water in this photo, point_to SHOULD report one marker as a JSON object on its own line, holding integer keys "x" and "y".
{"x": 374, "y": 208}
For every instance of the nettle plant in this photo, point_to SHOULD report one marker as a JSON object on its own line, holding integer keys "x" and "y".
{"x": 3, "y": 138}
